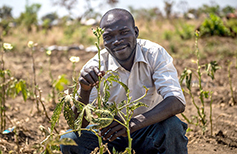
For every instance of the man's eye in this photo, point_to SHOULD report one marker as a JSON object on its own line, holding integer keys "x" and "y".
{"x": 124, "y": 32}
{"x": 106, "y": 37}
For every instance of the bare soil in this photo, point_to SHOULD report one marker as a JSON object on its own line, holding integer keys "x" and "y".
{"x": 25, "y": 115}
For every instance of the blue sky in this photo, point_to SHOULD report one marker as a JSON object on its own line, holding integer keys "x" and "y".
{"x": 47, "y": 7}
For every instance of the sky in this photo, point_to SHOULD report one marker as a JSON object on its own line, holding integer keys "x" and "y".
{"x": 18, "y": 6}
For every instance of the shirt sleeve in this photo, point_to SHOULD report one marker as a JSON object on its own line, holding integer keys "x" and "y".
{"x": 165, "y": 75}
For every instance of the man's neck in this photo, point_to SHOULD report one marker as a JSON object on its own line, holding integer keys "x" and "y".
{"x": 128, "y": 63}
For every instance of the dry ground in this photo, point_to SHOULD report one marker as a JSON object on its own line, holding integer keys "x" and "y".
{"x": 224, "y": 139}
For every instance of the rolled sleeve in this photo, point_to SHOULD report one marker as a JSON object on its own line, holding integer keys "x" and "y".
{"x": 165, "y": 76}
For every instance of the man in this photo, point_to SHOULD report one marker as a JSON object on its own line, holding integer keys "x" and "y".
{"x": 139, "y": 63}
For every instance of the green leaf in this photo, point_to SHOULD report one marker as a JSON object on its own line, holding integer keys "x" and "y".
{"x": 68, "y": 113}
{"x": 205, "y": 93}
{"x": 21, "y": 87}
{"x": 137, "y": 105}
{"x": 211, "y": 68}
{"x": 187, "y": 75}
{"x": 60, "y": 82}
{"x": 105, "y": 118}
{"x": 56, "y": 114}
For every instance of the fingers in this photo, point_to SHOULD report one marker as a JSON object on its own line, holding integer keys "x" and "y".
{"x": 113, "y": 131}
{"x": 105, "y": 130}
{"x": 121, "y": 132}
{"x": 90, "y": 77}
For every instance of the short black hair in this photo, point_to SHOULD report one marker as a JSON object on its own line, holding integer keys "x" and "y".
{"x": 119, "y": 10}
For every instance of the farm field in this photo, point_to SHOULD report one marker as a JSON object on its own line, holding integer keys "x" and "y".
{"x": 25, "y": 116}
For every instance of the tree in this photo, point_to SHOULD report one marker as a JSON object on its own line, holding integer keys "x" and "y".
{"x": 29, "y": 17}
{"x": 51, "y": 17}
{"x": 5, "y": 12}
{"x": 211, "y": 9}
{"x": 70, "y": 4}
{"x": 168, "y": 7}
{"x": 228, "y": 9}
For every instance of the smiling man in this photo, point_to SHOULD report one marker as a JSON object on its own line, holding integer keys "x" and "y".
{"x": 139, "y": 63}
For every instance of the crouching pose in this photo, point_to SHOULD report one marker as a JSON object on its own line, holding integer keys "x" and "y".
{"x": 154, "y": 129}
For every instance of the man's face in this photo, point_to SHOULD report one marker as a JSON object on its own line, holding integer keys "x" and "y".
{"x": 119, "y": 37}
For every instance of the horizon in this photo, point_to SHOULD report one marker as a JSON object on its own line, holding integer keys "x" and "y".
{"x": 18, "y": 6}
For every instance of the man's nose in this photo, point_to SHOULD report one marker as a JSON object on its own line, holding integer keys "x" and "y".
{"x": 117, "y": 41}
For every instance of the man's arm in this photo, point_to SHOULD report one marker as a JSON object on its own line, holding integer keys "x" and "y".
{"x": 170, "y": 106}
{"x": 88, "y": 79}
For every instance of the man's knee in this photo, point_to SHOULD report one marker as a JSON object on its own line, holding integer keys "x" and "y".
{"x": 174, "y": 124}
{"x": 66, "y": 148}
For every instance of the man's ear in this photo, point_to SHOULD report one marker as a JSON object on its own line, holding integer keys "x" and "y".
{"x": 136, "y": 31}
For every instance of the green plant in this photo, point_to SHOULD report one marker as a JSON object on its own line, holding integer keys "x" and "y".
{"x": 29, "y": 17}
{"x": 167, "y": 35}
{"x": 214, "y": 26}
{"x": 209, "y": 69}
{"x": 100, "y": 114}
{"x": 32, "y": 46}
{"x": 9, "y": 86}
{"x": 56, "y": 84}
{"x": 185, "y": 31}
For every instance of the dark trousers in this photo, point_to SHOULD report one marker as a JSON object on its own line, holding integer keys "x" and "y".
{"x": 166, "y": 137}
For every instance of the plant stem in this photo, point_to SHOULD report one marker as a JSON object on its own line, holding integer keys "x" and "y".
{"x": 2, "y": 106}
{"x": 202, "y": 116}
{"x": 34, "y": 79}
{"x": 211, "y": 112}
{"x": 52, "y": 82}
{"x": 129, "y": 140}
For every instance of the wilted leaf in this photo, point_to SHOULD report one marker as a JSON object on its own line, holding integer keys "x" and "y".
{"x": 137, "y": 105}
{"x": 187, "y": 75}
{"x": 104, "y": 119}
{"x": 211, "y": 68}
{"x": 56, "y": 114}
{"x": 68, "y": 113}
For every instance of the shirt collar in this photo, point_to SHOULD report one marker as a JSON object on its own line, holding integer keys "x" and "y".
{"x": 114, "y": 65}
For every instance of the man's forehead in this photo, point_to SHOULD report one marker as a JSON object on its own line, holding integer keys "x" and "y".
{"x": 113, "y": 16}
{"x": 110, "y": 17}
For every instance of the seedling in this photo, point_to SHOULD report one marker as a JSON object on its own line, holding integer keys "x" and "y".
{"x": 9, "y": 86}
{"x": 32, "y": 46}
{"x": 209, "y": 69}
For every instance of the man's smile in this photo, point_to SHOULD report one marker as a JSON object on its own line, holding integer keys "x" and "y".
{"x": 120, "y": 48}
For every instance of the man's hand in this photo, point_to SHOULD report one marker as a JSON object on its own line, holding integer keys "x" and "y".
{"x": 113, "y": 131}
{"x": 90, "y": 78}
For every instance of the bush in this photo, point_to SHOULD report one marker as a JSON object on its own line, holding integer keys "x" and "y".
{"x": 185, "y": 31}
{"x": 214, "y": 26}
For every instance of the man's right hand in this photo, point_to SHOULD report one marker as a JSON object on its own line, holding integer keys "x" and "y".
{"x": 90, "y": 78}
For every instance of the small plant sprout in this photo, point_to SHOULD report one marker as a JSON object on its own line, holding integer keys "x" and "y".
{"x": 209, "y": 69}
{"x": 9, "y": 85}
{"x": 32, "y": 45}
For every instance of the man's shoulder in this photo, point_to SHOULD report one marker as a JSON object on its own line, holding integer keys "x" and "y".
{"x": 147, "y": 44}
{"x": 149, "y": 48}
